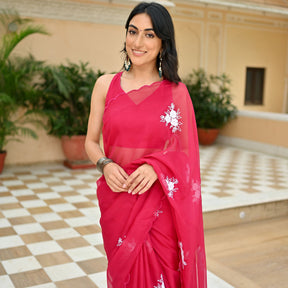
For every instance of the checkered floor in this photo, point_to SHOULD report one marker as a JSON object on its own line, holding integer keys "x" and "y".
{"x": 234, "y": 177}
{"x": 50, "y": 236}
{"x": 49, "y": 220}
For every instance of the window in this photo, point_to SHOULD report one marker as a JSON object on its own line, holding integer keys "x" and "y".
{"x": 254, "y": 86}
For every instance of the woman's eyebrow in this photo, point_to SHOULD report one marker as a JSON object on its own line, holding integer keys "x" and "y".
{"x": 147, "y": 29}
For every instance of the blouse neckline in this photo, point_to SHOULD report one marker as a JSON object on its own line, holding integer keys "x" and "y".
{"x": 141, "y": 87}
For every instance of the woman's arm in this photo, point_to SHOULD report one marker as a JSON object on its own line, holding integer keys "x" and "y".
{"x": 115, "y": 176}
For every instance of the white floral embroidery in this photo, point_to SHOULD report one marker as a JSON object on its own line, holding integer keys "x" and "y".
{"x": 171, "y": 186}
{"x": 182, "y": 255}
{"x": 160, "y": 282}
{"x": 172, "y": 117}
{"x": 120, "y": 241}
{"x": 196, "y": 188}
{"x": 157, "y": 213}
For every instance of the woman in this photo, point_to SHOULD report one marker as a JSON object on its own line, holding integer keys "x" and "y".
{"x": 149, "y": 194}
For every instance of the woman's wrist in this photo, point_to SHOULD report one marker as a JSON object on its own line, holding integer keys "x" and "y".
{"x": 102, "y": 162}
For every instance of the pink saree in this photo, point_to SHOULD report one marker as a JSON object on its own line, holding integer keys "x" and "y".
{"x": 153, "y": 240}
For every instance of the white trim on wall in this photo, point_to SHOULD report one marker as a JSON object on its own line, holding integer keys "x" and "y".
{"x": 269, "y": 149}
{"x": 264, "y": 115}
{"x": 70, "y": 10}
{"x": 220, "y": 45}
{"x": 285, "y": 96}
{"x": 205, "y": 42}
{"x": 259, "y": 28}
{"x": 224, "y": 58}
{"x": 202, "y": 52}
{"x": 245, "y": 6}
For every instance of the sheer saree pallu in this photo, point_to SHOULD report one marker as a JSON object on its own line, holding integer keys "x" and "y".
{"x": 153, "y": 240}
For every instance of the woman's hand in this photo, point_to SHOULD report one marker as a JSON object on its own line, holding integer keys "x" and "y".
{"x": 115, "y": 177}
{"x": 141, "y": 179}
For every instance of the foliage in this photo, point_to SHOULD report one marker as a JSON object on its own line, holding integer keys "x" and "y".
{"x": 66, "y": 95}
{"x": 11, "y": 124}
{"x": 15, "y": 30}
{"x": 211, "y": 98}
{"x": 16, "y": 78}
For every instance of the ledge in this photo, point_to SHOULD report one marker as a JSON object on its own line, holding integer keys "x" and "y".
{"x": 270, "y": 149}
{"x": 264, "y": 115}
{"x": 247, "y": 6}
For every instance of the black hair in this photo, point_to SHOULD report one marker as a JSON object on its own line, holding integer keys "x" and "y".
{"x": 164, "y": 29}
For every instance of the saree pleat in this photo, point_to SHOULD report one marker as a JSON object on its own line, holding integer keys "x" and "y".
{"x": 155, "y": 239}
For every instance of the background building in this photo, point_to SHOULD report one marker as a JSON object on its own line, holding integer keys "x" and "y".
{"x": 248, "y": 40}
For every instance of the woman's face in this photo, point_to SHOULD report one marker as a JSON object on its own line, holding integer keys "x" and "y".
{"x": 142, "y": 43}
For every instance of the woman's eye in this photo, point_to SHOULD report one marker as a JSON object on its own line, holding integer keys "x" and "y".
{"x": 131, "y": 32}
{"x": 150, "y": 35}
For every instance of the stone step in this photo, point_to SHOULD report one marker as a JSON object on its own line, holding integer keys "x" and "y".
{"x": 245, "y": 214}
{"x": 250, "y": 255}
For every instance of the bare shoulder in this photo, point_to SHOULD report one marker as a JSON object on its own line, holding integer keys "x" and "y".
{"x": 102, "y": 85}
{"x": 104, "y": 81}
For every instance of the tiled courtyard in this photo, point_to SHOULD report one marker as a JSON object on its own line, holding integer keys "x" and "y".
{"x": 49, "y": 216}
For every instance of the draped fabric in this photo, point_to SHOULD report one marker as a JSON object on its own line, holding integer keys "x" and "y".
{"x": 155, "y": 239}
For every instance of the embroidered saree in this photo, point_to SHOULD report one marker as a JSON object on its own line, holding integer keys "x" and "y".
{"x": 153, "y": 240}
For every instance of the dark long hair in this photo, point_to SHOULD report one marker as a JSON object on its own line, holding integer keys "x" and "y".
{"x": 164, "y": 29}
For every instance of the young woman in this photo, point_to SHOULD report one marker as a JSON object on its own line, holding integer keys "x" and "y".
{"x": 149, "y": 194}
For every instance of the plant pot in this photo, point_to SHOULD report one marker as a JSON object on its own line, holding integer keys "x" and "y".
{"x": 74, "y": 151}
{"x": 74, "y": 147}
{"x": 207, "y": 136}
{"x": 2, "y": 160}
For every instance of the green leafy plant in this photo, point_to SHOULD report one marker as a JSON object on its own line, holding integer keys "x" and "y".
{"x": 17, "y": 79}
{"x": 17, "y": 76}
{"x": 12, "y": 124}
{"x": 66, "y": 95}
{"x": 212, "y": 99}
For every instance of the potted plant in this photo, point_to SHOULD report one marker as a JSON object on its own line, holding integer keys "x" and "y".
{"x": 12, "y": 124}
{"x": 66, "y": 95}
{"x": 16, "y": 81}
{"x": 212, "y": 103}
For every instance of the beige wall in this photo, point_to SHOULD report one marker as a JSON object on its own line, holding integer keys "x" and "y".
{"x": 248, "y": 47}
{"x": 219, "y": 40}
{"x": 225, "y": 41}
{"x": 98, "y": 44}
{"x": 45, "y": 149}
{"x": 216, "y": 39}
{"x": 189, "y": 46}
{"x": 266, "y": 131}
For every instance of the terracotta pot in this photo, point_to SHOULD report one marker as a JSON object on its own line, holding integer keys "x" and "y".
{"x": 2, "y": 160}
{"x": 207, "y": 136}
{"x": 74, "y": 147}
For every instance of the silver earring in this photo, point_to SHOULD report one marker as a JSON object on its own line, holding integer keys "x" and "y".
{"x": 160, "y": 67}
{"x": 127, "y": 63}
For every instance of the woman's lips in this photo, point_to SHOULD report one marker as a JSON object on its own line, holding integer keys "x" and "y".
{"x": 138, "y": 52}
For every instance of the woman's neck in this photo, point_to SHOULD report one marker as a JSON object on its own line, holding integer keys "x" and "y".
{"x": 136, "y": 78}
{"x": 143, "y": 76}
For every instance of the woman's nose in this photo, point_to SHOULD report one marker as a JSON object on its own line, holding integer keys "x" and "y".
{"x": 139, "y": 40}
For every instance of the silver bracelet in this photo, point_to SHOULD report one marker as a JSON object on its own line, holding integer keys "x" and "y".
{"x": 102, "y": 162}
